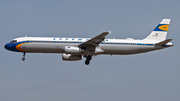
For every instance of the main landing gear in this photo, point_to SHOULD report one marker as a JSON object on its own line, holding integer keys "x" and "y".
{"x": 88, "y": 58}
{"x": 24, "y": 54}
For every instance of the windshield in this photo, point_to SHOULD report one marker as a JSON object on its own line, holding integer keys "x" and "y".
{"x": 13, "y": 41}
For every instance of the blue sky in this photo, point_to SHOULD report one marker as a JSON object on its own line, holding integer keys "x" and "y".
{"x": 151, "y": 76}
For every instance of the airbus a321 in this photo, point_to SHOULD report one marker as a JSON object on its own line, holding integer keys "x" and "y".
{"x": 74, "y": 49}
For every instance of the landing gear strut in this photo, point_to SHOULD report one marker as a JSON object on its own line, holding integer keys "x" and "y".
{"x": 24, "y": 54}
{"x": 88, "y": 58}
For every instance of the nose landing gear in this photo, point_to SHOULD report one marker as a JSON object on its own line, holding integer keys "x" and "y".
{"x": 24, "y": 54}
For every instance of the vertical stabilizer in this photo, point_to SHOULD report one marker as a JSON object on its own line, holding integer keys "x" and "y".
{"x": 160, "y": 32}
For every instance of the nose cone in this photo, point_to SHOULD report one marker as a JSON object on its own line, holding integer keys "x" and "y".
{"x": 11, "y": 47}
{"x": 5, "y": 46}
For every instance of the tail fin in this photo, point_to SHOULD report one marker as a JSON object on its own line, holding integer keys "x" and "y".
{"x": 160, "y": 32}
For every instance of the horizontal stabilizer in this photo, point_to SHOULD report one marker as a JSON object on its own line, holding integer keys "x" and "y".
{"x": 163, "y": 42}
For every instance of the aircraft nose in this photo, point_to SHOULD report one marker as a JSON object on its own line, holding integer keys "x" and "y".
{"x": 5, "y": 46}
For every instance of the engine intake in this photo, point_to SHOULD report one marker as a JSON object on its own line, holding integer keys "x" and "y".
{"x": 70, "y": 57}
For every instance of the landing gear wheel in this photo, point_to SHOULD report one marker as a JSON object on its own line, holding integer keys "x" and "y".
{"x": 24, "y": 54}
{"x": 23, "y": 58}
{"x": 87, "y": 62}
{"x": 89, "y": 57}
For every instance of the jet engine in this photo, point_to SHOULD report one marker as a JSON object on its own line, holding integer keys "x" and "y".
{"x": 70, "y": 57}
{"x": 72, "y": 50}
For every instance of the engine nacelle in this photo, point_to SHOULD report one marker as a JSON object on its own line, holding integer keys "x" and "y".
{"x": 72, "y": 50}
{"x": 70, "y": 57}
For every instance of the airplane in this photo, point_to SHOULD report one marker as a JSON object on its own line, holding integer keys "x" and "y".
{"x": 73, "y": 49}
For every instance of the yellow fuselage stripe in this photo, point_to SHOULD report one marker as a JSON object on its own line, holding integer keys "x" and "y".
{"x": 18, "y": 47}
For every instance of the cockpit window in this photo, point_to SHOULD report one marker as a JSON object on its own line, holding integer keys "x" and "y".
{"x": 13, "y": 41}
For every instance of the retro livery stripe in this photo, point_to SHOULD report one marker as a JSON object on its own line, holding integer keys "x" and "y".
{"x": 18, "y": 47}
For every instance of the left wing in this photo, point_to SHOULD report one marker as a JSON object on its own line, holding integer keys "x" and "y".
{"x": 94, "y": 42}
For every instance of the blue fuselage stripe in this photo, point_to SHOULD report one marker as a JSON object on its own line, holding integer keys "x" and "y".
{"x": 116, "y": 43}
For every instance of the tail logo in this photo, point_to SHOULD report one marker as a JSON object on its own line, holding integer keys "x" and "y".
{"x": 162, "y": 27}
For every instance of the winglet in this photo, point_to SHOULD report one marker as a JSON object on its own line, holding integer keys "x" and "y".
{"x": 110, "y": 31}
{"x": 163, "y": 42}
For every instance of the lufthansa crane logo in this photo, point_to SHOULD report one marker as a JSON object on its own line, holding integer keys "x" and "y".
{"x": 164, "y": 27}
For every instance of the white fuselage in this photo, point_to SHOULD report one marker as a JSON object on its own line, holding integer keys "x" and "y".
{"x": 108, "y": 46}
